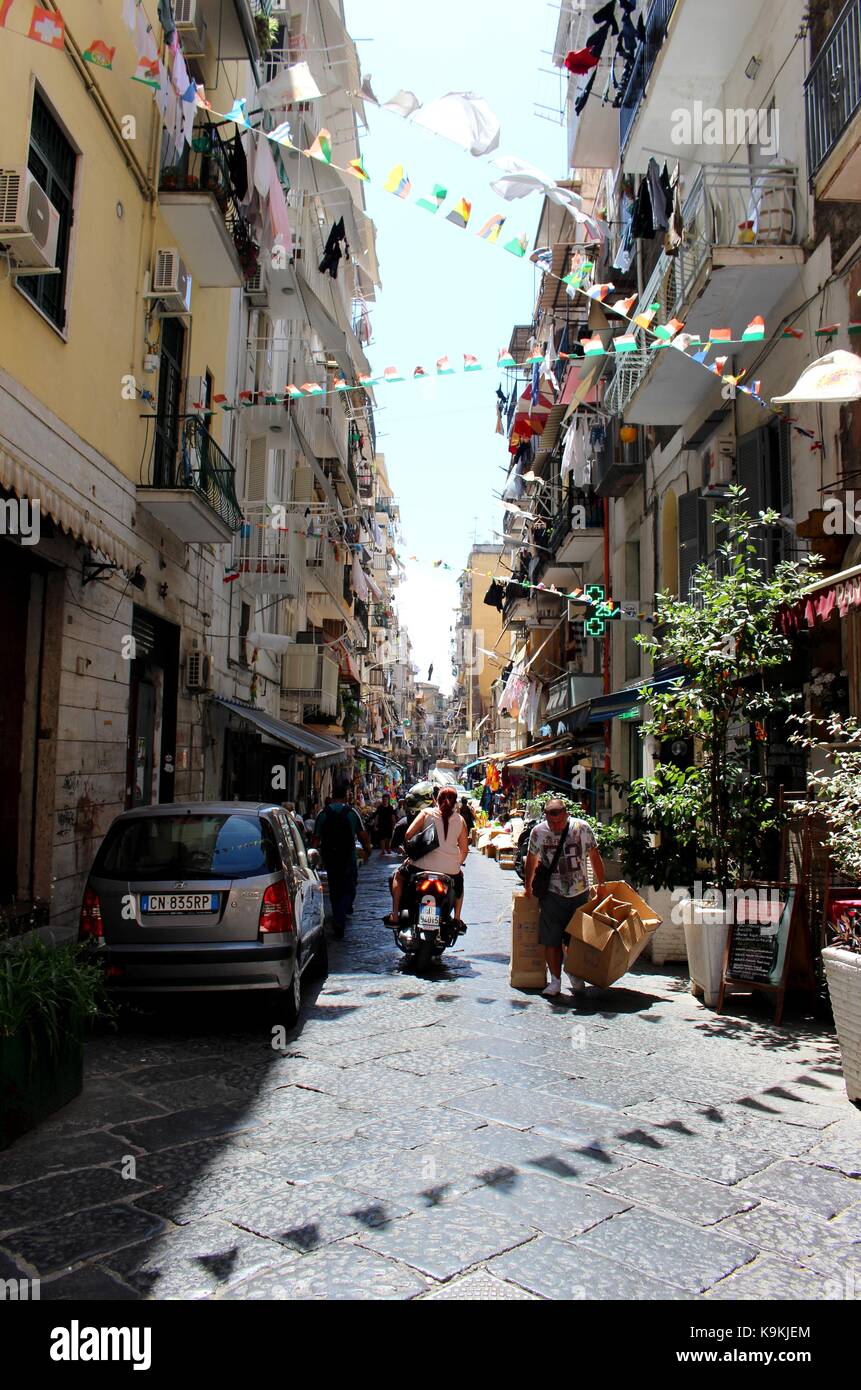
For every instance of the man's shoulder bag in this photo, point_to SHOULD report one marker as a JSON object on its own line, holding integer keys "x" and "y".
{"x": 423, "y": 842}
{"x": 543, "y": 874}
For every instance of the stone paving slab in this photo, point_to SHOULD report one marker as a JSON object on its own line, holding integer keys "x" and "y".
{"x": 54, "y": 1245}
{"x": 767, "y": 1279}
{"x": 314, "y": 1215}
{"x": 553, "y": 1208}
{"x": 566, "y": 1270}
{"x": 692, "y": 1199}
{"x": 192, "y": 1261}
{"x": 444, "y": 1240}
{"x": 478, "y": 1287}
{"x": 804, "y": 1185}
{"x": 660, "y": 1247}
{"x": 63, "y": 1193}
{"x": 340, "y": 1271}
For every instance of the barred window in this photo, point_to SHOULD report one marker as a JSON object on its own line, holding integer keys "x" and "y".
{"x": 51, "y": 161}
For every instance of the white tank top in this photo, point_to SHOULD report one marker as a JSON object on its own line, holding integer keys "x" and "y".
{"x": 446, "y": 859}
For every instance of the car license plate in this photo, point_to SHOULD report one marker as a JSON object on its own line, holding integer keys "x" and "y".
{"x": 179, "y": 902}
{"x": 429, "y": 915}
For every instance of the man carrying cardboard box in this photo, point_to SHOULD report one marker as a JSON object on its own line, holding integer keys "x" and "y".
{"x": 560, "y": 847}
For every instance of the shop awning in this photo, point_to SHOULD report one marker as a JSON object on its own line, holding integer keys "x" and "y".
{"x": 69, "y": 513}
{"x": 629, "y": 698}
{"x": 544, "y": 757}
{"x": 323, "y": 751}
{"x": 840, "y": 593}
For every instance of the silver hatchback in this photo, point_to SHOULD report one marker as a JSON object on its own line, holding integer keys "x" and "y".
{"x": 210, "y": 896}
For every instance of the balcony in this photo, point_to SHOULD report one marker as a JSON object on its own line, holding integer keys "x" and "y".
{"x": 656, "y": 29}
{"x": 270, "y": 560}
{"x": 200, "y": 204}
{"x": 573, "y": 538}
{"x": 323, "y": 568}
{"x": 832, "y": 103}
{"x": 715, "y": 280}
{"x": 309, "y": 674}
{"x": 190, "y": 483}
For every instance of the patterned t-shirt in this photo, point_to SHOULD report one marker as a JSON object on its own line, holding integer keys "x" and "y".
{"x": 569, "y": 879}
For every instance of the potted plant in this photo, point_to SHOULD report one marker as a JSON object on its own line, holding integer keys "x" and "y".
{"x": 726, "y": 637}
{"x": 838, "y": 799}
{"x": 49, "y": 997}
{"x": 267, "y": 32}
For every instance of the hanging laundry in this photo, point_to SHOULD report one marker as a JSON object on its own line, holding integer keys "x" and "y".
{"x": 237, "y": 164}
{"x": 584, "y": 95}
{"x": 495, "y": 596}
{"x": 332, "y": 252}
{"x": 676, "y": 230}
{"x": 580, "y": 62}
{"x": 625, "y": 254}
{"x": 607, "y": 16}
{"x": 166, "y": 20}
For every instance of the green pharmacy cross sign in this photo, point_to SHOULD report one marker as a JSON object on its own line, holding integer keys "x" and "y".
{"x": 601, "y": 613}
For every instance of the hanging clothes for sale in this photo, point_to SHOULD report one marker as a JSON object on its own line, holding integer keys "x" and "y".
{"x": 332, "y": 253}
{"x": 625, "y": 254}
{"x": 676, "y": 230}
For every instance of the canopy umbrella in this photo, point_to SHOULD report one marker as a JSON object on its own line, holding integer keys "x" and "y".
{"x": 529, "y": 417}
{"x": 831, "y": 380}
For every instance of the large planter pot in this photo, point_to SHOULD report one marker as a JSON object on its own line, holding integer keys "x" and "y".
{"x": 843, "y": 972}
{"x": 706, "y": 929}
{"x": 31, "y": 1088}
{"x": 668, "y": 942}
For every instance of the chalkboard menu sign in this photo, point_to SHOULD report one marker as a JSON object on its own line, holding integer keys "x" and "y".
{"x": 759, "y": 937}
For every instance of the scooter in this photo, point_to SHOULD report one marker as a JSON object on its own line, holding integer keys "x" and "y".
{"x": 426, "y": 923}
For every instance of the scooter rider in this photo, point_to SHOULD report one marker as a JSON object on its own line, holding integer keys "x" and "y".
{"x": 448, "y": 858}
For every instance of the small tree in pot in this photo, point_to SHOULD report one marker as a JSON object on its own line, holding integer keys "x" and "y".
{"x": 727, "y": 638}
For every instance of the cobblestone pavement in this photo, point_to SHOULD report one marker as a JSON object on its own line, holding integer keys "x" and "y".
{"x": 447, "y": 1138}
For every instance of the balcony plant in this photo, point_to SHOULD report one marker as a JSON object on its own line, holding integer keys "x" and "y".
{"x": 837, "y": 797}
{"x": 267, "y": 32}
{"x": 49, "y": 997}
{"x": 727, "y": 639}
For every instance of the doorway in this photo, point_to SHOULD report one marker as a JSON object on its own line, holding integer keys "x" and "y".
{"x": 151, "y": 741}
{"x": 167, "y": 424}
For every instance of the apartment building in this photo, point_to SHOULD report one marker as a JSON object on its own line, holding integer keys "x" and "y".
{"x": 185, "y": 617}
{"x": 750, "y": 117}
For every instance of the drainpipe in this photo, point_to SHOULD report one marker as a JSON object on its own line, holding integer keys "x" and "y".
{"x": 607, "y": 726}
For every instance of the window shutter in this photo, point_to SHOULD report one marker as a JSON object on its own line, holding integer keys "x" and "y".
{"x": 750, "y": 468}
{"x": 691, "y": 538}
{"x": 783, "y": 502}
{"x": 255, "y": 470}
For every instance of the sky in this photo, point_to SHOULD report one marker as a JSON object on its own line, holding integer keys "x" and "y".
{"x": 444, "y": 290}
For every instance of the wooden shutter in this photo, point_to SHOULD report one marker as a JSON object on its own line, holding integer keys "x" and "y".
{"x": 752, "y": 471}
{"x": 255, "y": 470}
{"x": 692, "y": 528}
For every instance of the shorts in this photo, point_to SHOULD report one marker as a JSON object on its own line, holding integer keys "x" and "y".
{"x": 555, "y": 914}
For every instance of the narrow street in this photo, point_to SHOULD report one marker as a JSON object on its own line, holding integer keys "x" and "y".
{"x": 447, "y": 1138}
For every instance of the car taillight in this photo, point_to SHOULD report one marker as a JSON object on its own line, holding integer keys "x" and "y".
{"x": 276, "y": 909}
{"x": 90, "y": 926}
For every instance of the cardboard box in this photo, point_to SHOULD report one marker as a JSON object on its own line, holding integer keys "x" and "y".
{"x": 528, "y": 969}
{"x": 609, "y": 933}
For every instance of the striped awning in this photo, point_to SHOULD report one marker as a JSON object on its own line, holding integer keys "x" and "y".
{"x": 66, "y": 511}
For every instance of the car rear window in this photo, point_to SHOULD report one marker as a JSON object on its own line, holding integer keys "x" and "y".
{"x": 188, "y": 847}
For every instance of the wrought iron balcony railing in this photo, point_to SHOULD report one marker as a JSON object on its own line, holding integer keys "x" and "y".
{"x": 204, "y": 167}
{"x": 832, "y": 89}
{"x": 185, "y": 457}
{"x": 656, "y": 29}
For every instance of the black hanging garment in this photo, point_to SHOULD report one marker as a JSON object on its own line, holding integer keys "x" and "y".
{"x": 332, "y": 252}
{"x": 494, "y": 596}
{"x": 238, "y": 166}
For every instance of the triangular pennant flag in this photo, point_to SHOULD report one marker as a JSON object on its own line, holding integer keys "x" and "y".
{"x": 397, "y": 182}
{"x": 419, "y": 371}
{"x": 147, "y": 72}
{"x": 828, "y": 330}
{"x": 459, "y": 214}
{"x": 219, "y": 399}
{"x": 357, "y": 167}
{"x": 644, "y": 320}
{"x": 505, "y": 359}
{"x": 444, "y": 367}
{"x": 719, "y": 364}
{"x": 720, "y": 335}
{"x": 854, "y": 329}
{"x": 599, "y": 292}
{"x": 517, "y": 245}
{"x": 592, "y": 347}
{"x": 237, "y": 112}
{"x": 667, "y": 331}
{"x": 99, "y": 54}
{"x": 312, "y": 388}
{"x": 623, "y": 306}
{"x": 281, "y": 135}
{"x": 47, "y": 27}
{"x": 700, "y": 356}
{"x": 492, "y": 228}
{"x": 627, "y": 342}
{"x": 365, "y": 380}
{"x": 435, "y": 201}
{"x": 470, "y": 363}
{"x": 792, "y": 333}
{"x": 201, "y": 99}
{"x": 321, "y": 148}
{"x": 534, "y": 360}
{"x": 392, "y": 374}
{"x": 340, "y": 384}
{"x": 755, "y": 331}
{"x": 293, "y": 392}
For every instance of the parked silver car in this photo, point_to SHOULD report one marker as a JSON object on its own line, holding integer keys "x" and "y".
{"x": 211, "y": 896}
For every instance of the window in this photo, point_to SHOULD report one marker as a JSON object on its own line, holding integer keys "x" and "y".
{"x": 51, "y": 161}
{"x": 187, "y": 847}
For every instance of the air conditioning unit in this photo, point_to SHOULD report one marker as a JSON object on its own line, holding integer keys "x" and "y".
{"x": 171, "y": 282}
{"x": 191, "y": 27}
{"x": 257, "y": 287}
{"x": 28, "y": 218}
{"x": 198, "y": 671}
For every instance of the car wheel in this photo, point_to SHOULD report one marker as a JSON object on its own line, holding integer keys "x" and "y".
{"x": 290, "y": 999}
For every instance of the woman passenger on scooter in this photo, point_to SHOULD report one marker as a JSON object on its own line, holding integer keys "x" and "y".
{"x": 448, "y": 858}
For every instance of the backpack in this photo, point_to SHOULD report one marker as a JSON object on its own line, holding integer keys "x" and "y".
{"x": 523, "y": 849}
{"x": 337, "y": 837}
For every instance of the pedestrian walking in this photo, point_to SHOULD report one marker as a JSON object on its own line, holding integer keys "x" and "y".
{"x": 560, "y": 847}
{"x": 466, "y": 812}
{"x": 336, "y": 830}
{"x": 384, "y": 821}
